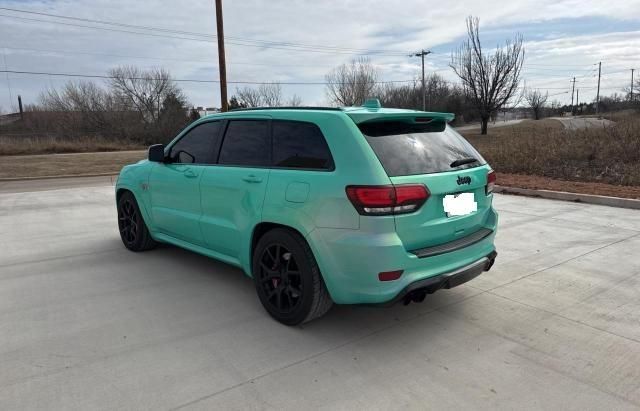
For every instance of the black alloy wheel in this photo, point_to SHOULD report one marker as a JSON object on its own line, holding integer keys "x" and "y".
{"x": 133, "y": 230}
{"x": 280, "y": 278}
{"x": 287, "y": 278}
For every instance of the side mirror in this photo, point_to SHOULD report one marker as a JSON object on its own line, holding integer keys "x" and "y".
{"x": 156, "y": 153}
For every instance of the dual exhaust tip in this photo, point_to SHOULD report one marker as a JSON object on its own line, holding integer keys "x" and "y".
{"x": 419, "y": 295}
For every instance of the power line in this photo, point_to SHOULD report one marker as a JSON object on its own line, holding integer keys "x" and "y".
{"x": 295, "y": 83}
{"x": 149, "y": 57}
{"x": 191, "y": 33}
{"x": 203, "y": 37}
{"x": 57, "y": 51}
{"x": 556, "y": 65}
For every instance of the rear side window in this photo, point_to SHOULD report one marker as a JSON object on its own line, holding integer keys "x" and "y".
{"x": 198, "y": 146}
{"x": 408, "y": 149}
{"x": 246, "y": 143}
{"x": 298, "y": 144}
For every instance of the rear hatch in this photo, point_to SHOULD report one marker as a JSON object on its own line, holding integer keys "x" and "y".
{"x": 420, "y": 150}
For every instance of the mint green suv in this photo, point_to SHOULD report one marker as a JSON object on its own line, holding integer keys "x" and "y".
{"x": 358, "y": 205}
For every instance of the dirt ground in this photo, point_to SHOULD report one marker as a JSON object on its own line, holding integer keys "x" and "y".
{"x": 545, "y": 183}
{"x": 76, "y": 164}
{"x": 111, "y": 162}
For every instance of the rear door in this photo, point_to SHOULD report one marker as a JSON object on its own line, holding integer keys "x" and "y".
{"x": 232, "y": 192}
{"x": 426, "y": 154}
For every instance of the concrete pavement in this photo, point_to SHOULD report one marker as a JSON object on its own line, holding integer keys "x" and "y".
{"x": 85, "y": 324}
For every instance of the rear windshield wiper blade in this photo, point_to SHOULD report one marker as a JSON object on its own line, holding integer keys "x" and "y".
{"x": 463, "y": 161}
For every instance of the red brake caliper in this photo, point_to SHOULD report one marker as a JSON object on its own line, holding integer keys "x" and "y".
{"x": 275, "y": 281}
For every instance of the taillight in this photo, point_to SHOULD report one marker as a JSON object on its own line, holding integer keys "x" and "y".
{"x": 387, "y": 200}
{"x": 491, "y": 181}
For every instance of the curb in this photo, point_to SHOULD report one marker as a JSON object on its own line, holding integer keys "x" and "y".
{"x": 574, "y": 197}
{"x": 7, "y": 179}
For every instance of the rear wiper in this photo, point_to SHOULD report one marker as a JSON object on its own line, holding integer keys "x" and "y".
{"x": 463, "y": 161}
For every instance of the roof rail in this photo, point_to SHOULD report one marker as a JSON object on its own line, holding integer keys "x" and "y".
{"x": 287, "y": 108}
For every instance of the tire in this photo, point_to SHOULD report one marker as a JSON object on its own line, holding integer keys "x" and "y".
{"x": 287, "y": 278}
{"x": 133, "y": 230}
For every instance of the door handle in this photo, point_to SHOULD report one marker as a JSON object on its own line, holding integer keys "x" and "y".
{"x": 190, "y": 173}
{"x": 252, "y": 179}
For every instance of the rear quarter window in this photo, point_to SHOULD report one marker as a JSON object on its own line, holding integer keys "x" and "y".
{"x": 410, "y": 149}
{"x": 298, "y": 144}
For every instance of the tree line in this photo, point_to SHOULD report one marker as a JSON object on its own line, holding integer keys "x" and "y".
{"x": 145, "y": 106}
{"x": 148, "y": 106}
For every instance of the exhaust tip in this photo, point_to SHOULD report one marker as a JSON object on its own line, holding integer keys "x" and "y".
{"x": 414, "y": 297}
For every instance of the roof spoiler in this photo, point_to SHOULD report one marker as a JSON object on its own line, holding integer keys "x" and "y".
{"x": 423, "y": 117}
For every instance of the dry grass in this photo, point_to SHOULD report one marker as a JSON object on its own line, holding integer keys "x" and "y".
{"x": 67, "y": 164}
{"x": 24, "y": 145}
{"x": 608, "y": 154}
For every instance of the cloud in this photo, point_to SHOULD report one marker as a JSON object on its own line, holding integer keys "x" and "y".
{"x": 405, "y": 26}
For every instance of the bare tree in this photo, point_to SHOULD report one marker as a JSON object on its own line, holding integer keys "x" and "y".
{"x": 271, "y": 94}
{"x": 352, "y": 83}
{"x": 266, "y": 95}
{"x": 536, "y": 101}
{"x": 405, "y": 95}
{"x": 82, "y": 105}
{"x": 248, "y": 97}
{"x": 139, "y": 105}
{"x": 295, "y": 101}
{"x": 143, "y": 91}
{"x": 442, "y": 96}
{"x": 489, "y": 80}
{"x": 636, "y": 91}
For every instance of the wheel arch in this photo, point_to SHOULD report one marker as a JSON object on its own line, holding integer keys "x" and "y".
{"x": 261, "y": 229}
{"x": 264, "y": 227}
{"x": 120, "y": 190}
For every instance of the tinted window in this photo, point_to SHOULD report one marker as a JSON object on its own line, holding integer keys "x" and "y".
{"x": 407, "y": 149}
{"x": 246, "y": 143}
{"x": 300, "y": 145}
{"x": 199, "y": 145}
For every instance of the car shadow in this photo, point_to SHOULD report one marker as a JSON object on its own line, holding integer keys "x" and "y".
{"x": 231, "y": 289}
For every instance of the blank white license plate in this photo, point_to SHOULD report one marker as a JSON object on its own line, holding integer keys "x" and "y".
{"x": 459, "y": 204}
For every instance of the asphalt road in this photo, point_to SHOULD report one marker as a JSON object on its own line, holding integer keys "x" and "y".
{"x": 85, "y": 324}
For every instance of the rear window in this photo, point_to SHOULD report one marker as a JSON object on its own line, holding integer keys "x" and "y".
{"x": 407, "y": 148}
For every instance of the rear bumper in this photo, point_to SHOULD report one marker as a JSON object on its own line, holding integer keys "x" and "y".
{"x": 416, "y": 291}
{"x": 350, "y": 261}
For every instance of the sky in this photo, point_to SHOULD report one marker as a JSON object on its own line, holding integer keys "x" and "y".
{"x": 563, "y": 39}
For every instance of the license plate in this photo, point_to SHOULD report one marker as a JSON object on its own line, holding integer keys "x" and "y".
{"x": 459, "y": 204}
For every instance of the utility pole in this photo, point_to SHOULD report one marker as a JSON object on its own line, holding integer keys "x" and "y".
{"x": 573, "y": 87}
{"x": 20, "y": 107}
{"x": 578, "y": 98}
{"x": 424, "y": 101}
{"x": 631, "y": 86}
{"x": 224, "y": 106}
{"x": 598, "y": 93}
